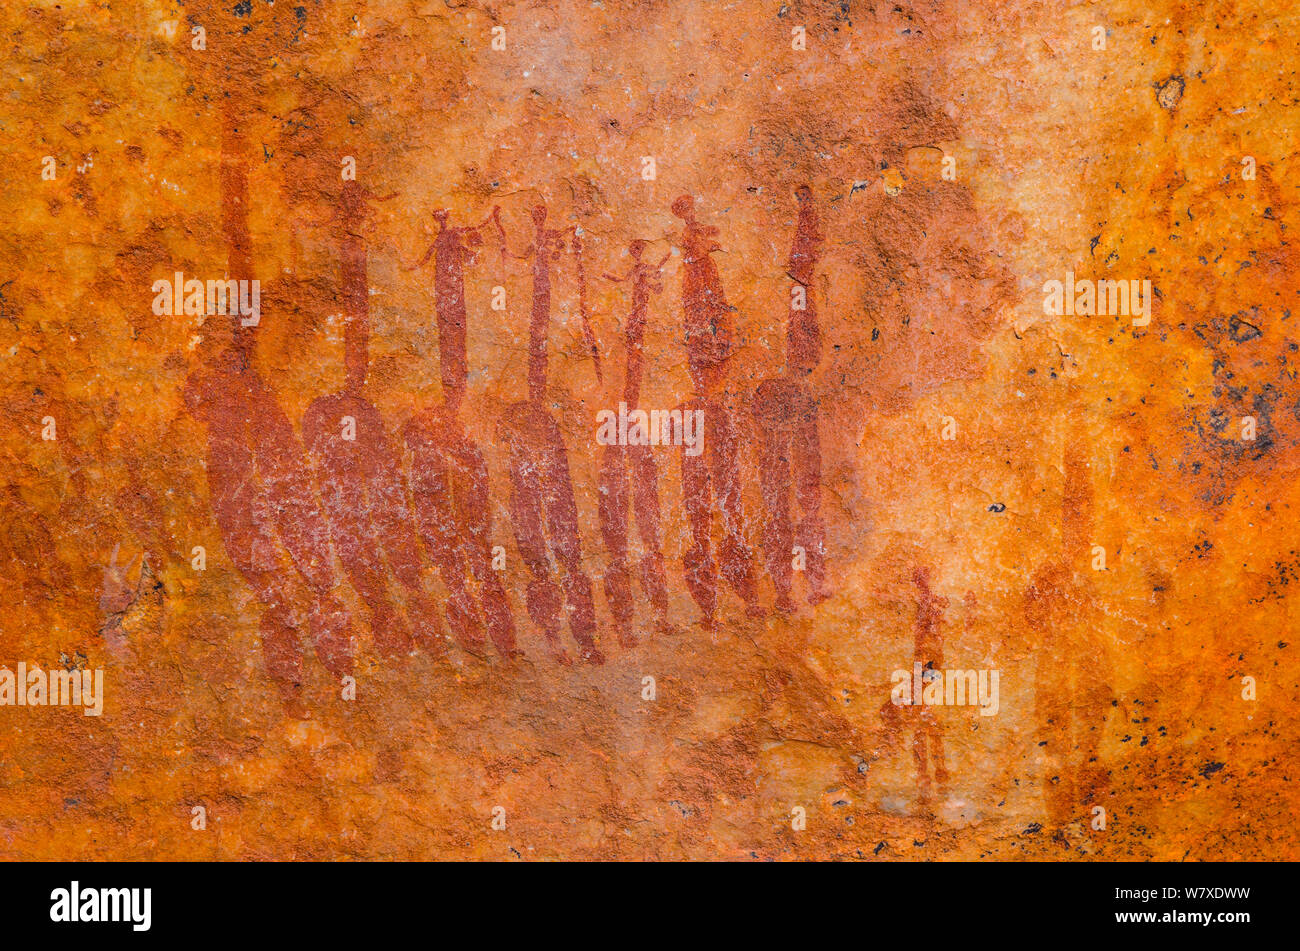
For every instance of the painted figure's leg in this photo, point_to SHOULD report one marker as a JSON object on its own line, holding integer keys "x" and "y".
{"x": 612, "y": 508}
{"x": 343, "y": 498}
{"x": 526, "y": 501}
{"x": 919, "y": 759}
{"x": 474, "y": 511}
{"x": 237, "y": 504}
{"x": 701, "y": 572}
{"x": 562, "y": 530}
{"x": 390, "y": 508}
{"x": 810, "y": 533}
{"x": 774, "y": 483}
{"x": 432, "y": 499}
{"x": 737, "y": 561}
{"x": 645, "y": 506}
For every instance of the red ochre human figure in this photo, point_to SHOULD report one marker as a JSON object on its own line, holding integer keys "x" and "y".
{"x": 449, "y": 477}
{"x": 358, "y": 469}
{"x": 714, "y": 475}
{"x": 786, "y": 417}
{"x": 927, "y": 741}
{"x": 261, "y": 489}
{"x": 631, "y": 470}
{"x": 542, "y": 507}
{"x": 1073, "y": 695}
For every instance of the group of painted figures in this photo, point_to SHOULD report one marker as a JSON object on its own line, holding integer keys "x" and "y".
{"x": 389, "y": 506}
{"x": 284, "y": 512}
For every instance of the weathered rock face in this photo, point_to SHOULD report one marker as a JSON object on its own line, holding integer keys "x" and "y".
{"x": 378, "y": 559}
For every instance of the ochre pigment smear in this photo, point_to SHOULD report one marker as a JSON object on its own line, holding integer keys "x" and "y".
{"x": 648, "y": 430}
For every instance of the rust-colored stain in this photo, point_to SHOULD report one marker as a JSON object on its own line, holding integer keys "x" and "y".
{"x": 622, "y": 430}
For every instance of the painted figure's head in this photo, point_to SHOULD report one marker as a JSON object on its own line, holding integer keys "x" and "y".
{"x": 684, "y": 207}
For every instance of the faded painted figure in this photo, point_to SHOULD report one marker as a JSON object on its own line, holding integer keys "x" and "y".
{"x": 1073, "y": 695}
{"x": 261, "y": 489}
{"x": 362, "y": 485}
{"x": 712, "y": 477}
{"x": 927, "y": 741}
{"x": 785, "y": 412}
{"x": 449, "y": 477}
{"x": 542, "y": 506}
{"x": 628, "y": 474}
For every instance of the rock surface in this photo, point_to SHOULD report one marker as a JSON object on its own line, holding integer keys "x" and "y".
{"x": 442, "y": 636}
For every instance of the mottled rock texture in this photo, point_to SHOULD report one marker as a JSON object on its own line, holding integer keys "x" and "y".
{"x": 948, "y": 457}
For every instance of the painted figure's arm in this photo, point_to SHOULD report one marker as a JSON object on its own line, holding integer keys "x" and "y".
{"x": 424, "y": 260}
